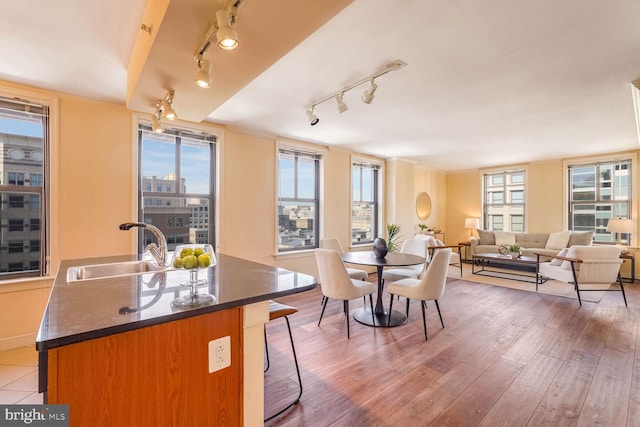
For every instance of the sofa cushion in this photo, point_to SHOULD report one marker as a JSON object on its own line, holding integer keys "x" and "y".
{"x": 582, "y": 239}
{"x": 558, "y": 240}
{"x": 486, "y": 237}
{"x": 556, "y": 261}
{"x": 505, "y": 238}
{"x": 532, "y": 240}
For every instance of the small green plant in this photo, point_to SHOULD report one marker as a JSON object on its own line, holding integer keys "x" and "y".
{"x": 423, "y": 226}
{"x": 393, "y": 233}
{"x": 514, "y": 248}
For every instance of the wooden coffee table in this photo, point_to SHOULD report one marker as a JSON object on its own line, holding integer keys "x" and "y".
{"x": 523, "y": 269}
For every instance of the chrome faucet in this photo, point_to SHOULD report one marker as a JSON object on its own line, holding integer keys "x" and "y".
{"x": 159, "y": 251}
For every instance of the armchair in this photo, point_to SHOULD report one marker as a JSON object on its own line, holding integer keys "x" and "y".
{"x": 583, "y": 264}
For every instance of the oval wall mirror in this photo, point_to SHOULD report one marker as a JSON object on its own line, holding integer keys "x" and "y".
{"x": 423, "y": 205}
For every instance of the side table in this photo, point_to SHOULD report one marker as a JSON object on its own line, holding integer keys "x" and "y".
{"x": 465, "y": 245}
{"x": 632, "y": 257}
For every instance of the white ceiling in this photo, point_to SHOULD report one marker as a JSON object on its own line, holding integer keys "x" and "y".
{"x": 486, "y": 83}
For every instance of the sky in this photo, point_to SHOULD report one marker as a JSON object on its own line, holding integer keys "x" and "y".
{"x": 19, "y": 127}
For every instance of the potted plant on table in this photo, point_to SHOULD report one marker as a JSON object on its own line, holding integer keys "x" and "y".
{"x": 393, "y": 232}
{"x": 514, "y": 251}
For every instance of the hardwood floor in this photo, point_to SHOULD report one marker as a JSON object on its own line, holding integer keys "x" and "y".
{"x": 505, "y": 357}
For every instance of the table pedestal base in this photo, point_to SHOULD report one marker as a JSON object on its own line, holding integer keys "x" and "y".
{"x": 363, "y": 316}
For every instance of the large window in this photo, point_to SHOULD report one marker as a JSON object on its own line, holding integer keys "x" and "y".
{"x": 364, "y": 202}
{"x": 597, "y": 192}
{"x": 24, "y": 147}
{"x": 179, "y": 165}
{"x": 504, "y": 200}
{"x": 298, "y": 199}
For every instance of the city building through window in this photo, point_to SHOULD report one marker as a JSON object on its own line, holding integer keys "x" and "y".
{"x": 364, "y": 202}
{"x": 500, "y": 213}
{"x": 599, "y": 191}
{"x": 24, "y": 142}
{"x": 180, "y": 165}
{"x": 298, "y": 199}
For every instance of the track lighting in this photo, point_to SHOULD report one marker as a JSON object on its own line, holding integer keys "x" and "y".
{"x": 164, "y": 110}
{"x": 203, "y": 76}
{"x": 156, "y": 127}
{"x": 368, "y": 94}
{"x": 342, "y": 107}
{"x": 367, "y": 97}
{"x": 313, "y": 119}
{"x": 226, "y": 35}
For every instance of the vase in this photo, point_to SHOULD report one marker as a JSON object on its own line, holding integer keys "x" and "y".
{"x": 514, "y": 255}
{"x": 380, "y": 248}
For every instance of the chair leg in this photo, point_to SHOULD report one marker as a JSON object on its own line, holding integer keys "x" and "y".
{"x": 390, "y": 308}
{"x": 346, "y": 312}
{"x": 407, "y": 314}
{"x": 266, "y": 347}
{"x": 424, "y": 319}
{"x": 624, "y": 296}
{"x": 323, "y": 307}
{"x": 295, "y": 359}
{"x": 439, "y": 314}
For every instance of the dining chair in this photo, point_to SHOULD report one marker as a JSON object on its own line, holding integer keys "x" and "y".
{"x": 276, "y": 311}
{"x": 429, "y": 288}
{"x": 414, "y": 247}
{"x": 333, "y": 243}
{"x": 335, "y": 283}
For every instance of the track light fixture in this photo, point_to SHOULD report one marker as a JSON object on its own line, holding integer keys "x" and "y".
{"x": 203, "y": 76}
{"x": 342, "y": 107}
{"x": 367, "y": 97}
{"x": 164, "y": 110}
{"x": 368, "y": 94}
{"x": 313, "y": 119}
{"x": 226, "y": 35}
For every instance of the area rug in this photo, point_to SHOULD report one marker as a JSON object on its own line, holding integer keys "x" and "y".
{"x": 550, "y": 287}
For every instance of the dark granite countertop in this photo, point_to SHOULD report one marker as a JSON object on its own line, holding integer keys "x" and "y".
{"x": 82, "y": 310}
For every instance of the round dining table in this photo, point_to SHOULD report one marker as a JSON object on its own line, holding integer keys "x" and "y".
{"x": 392, "y": 259}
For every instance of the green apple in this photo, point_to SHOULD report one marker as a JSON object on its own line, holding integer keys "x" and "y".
{"x": 204, "y": 260}
{"x": 186, "y": 251}
{"x": 198, "y": 251}
{"x": 190, "y": 261}
{"x": 177, "y": 263}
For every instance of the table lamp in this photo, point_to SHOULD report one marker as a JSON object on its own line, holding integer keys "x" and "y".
{"x": 619, "y": 226}
{"x": 472, "y": 224}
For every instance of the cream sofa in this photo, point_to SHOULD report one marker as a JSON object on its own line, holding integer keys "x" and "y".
{"x": 530, "y": 243}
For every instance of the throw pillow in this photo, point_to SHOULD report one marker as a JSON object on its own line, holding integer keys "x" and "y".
{"x": 581, "y": 239}
{"x": 557, "y": 261}
{"x": 505, "y": 238}
{"x": 558, "y": 240}
{"x": 486, "y": 237}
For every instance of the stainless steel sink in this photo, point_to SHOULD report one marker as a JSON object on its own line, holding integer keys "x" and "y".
{"x": 104, "y": 271}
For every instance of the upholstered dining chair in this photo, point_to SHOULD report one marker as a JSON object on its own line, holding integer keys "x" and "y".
{"x": 414, "y": 247}
{"x": 335, "y": 283}
{"x": 429, "y": 288}
{"x": 433, "y": 244}
{"x": 333, "y": 243}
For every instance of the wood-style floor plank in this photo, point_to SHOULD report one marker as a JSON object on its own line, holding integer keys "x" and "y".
{"x": 505, "y": 357}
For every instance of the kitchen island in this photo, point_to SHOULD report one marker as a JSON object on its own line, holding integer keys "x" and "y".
{"x": 116, "y": 351}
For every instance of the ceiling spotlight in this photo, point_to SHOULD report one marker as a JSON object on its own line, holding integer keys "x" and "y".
{"x": 167, "y": 110}
{"x": 156, "y": 127}
{"x": 368, "y": 94}
{"x": 203, "y": 76}
{"x": 342, "y": 107}
{"x": 226, "y": 35}
{"x": 313, "y": 119}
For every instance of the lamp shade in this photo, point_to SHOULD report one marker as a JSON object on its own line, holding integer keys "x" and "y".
{"x": 620, "y": 225}
{"x": 473, "y": 223}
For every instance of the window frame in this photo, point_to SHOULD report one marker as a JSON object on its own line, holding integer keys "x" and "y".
{"x": 377, "y": 171}
{"x": 317, "y": 158}
{"x": 38, "y": 103}
{"x": 603, "y": 237}
{"x": 499, "y": 181}
{"x": 177, "y": 130}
